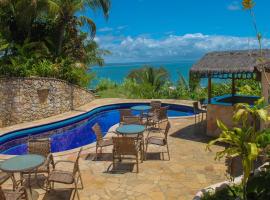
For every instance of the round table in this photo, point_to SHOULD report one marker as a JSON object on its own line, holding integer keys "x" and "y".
{"x": 130, "y": 129}
{"x": 141, "y": 109}
{"x": 23, "y": 163}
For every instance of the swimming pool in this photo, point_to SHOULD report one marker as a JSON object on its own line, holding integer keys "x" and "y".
{"x": 76, "y": 132}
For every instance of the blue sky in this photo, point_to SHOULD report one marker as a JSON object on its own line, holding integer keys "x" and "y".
{"x": 173, "y": 30}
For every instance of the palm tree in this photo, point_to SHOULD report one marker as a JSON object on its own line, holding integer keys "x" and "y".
{"x": 66, "y": 11}
{"x": 150, "y": 76}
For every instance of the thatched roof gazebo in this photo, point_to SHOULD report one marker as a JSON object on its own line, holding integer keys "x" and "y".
{"x": 229, "y": 65}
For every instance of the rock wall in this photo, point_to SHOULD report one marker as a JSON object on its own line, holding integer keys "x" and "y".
{"x": 218, "y": 112}
{"x": 28, "y": 99}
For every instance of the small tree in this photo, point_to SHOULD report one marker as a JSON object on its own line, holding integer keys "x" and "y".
{"x": 245, "y": 140}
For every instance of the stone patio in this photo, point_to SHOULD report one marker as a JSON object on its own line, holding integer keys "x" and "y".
{"x": 190, "y": 169}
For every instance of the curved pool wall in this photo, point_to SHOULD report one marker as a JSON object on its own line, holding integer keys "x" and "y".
{"x": 228, "y": 99}
{"x": 76, "y": 131}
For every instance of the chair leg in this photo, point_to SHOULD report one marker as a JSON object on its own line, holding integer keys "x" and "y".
{"x": 96, "y": 152}
{"x": 168, "y": 151}
{"x": 76, "y": 191}
{"x": 113, "y": 161}
{"x": 145, "y": 153}
{"x": 137, "y": 162}
{"x": 80, "y": 178}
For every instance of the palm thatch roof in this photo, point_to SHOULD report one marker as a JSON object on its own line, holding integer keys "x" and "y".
{"x": 225, "y": 64}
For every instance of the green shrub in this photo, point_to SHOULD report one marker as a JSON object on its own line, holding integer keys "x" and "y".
{"x": 105, "y": 84}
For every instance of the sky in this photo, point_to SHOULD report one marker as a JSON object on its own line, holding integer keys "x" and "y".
{"x": 176, "y": 30}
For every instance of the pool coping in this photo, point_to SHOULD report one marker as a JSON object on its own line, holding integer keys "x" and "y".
{"x": 84, "y": 109}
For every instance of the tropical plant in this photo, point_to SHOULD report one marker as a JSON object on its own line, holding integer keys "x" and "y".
{"x": 244, "y": 140}
{"x": 149, "y": 80}
{"x": 28, "y": 31}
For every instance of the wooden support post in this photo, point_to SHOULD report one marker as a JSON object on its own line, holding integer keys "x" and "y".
{"x": 233, "y": 89}
{"x": 209, "y": 90}
{"x": 233, "y": 85}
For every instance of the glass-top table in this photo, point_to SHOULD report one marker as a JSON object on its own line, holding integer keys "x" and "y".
{"x": 141, "y": 108}
{"x": 130, "y": 129}
{"x": 24, "y": 163}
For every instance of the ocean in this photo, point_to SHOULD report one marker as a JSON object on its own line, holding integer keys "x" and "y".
{"x": 117, "y": 72}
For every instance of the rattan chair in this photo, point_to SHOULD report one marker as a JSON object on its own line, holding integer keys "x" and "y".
{"x": 156, "y": 105}
{"x": 41, "y": 146}
{"x": 131, "y": 120}
{"x": 124, "y": 113}
{"x": 18, "y": 194}
{"x": 198, "y": 112}
{"x": 101, "y": 142}
{"x": 65, "y": 176}
{"x": 126, "y": 146}
{"x": 4, "y": 177}
{"x": 159, "y": 116}
{"x": 135, "y": 120}
{"x": 160, "y": 140}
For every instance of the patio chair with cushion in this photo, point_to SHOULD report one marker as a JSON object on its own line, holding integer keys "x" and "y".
{"x": 41, "y": 146}
{"x": 160, "y": 140}
{"x": 101, "y": 141}
{"x": 124, "y": 113}
{"x": 67, "y": 176}
{"x": 126, "y": 146}
{"x": 18, "y": 194}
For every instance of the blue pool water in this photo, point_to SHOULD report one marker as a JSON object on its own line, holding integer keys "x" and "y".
{"x": 75, "y": 132}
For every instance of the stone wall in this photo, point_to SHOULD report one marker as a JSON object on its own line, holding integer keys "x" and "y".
{"x": 218, "y": 112}
{"x": 28, "y": 99}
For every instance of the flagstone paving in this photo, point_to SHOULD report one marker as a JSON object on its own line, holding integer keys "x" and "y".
{"x": 190, "y": 169}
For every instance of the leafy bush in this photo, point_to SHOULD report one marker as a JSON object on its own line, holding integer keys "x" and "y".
{"x": 105, "y": 84}
{"x": 227, "y": 193}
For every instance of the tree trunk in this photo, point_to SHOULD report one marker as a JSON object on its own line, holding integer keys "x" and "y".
{"x": 60, "y": 39}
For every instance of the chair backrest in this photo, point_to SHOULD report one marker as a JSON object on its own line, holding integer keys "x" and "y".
{"x": 167, "y": 129}
{"x": 76, "y": 164}
{"x": 162, "y": 113}
{"x": 125, "y": 145}
{"x": 2, "y": 195}
{"x": 124, "y": 113}
{"x": 196, "y": 107}
{"x": 155, "y": 105}
{"x": 40, "y": 146}
{"x": 132, "y": 120}
{"x": 97, "y": 130}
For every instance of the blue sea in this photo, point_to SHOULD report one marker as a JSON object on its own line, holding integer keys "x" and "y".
{"x": 118, "y": 72}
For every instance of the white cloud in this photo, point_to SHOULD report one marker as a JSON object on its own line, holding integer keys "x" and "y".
{"x": 234, "y": 6}
{"x": 171, "y": 47}
{"x": 105, "y": 29}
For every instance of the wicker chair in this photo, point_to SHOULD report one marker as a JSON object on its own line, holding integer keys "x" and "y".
{"x": 131, "y": 120}
{"x": 123, "y": 146}
{"x": 18, "y": 194}
{"x": 160, "y": 141}
{"x": 65, "y": 176}
{"x": 159, "y": 116}
{"x": 124, "y": 113}
{"x": 156, "y": 105}
{"x": 41, "y": 147}
{"x": 135, "y": 120}
{"x": 198, "y": 111}
{"x": 4, "y": 177}
{"x": 101, "y": 142}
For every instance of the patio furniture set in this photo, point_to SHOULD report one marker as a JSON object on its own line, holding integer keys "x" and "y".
{"x": 39, "y": 160}
{"x": 128, "y": 140}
